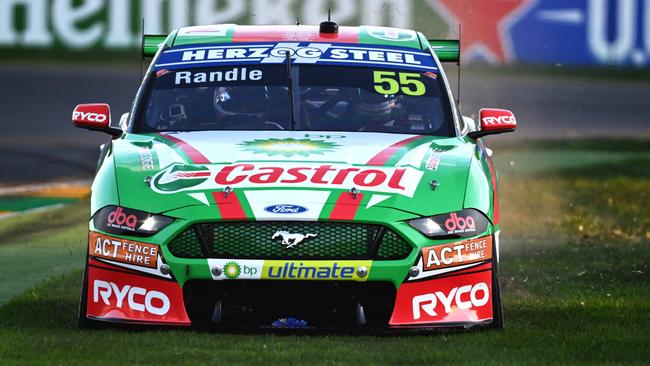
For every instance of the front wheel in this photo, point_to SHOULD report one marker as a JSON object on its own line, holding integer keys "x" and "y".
{"x": 497, "y": 307}
{"x": 82, "y": 320}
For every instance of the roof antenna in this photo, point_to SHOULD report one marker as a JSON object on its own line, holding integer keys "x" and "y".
{"x": 297, "y": 21}
{"x": 329, "y": 26}
{"x": 458, "y": 85}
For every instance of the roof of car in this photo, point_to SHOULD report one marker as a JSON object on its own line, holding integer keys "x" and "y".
{"x": 232, "y": 33}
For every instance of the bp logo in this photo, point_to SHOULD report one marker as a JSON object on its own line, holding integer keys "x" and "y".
{"x": 288, "y": 147}
{"x": 231, "y": 270}
{"x": 180, "y": 176}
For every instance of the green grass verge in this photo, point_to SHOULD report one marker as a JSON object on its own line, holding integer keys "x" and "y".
{"x": 37, "y": 246}
{"x": 575, "y": 260}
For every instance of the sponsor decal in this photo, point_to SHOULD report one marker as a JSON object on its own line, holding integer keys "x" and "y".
{"x": 288, "y": 147}
{"x": 314, "y": 270}
{"x": 291, "y": 240}
{"x": 231, "y": 270}
{"x": 118, "y": 295}
{"x": 237, "y": 269}
{"x": 89, "y": 116}
{"x": 71, "y": 25}
{"x": 94, "y": 115}
{"x": 460, "y": 298}
{"x": 479, "y": 295}
{"x": 499, "y": 120}
{"x": 432, "y": 162}
{"x": 180, "y": 177}
{"x": 300, "y": 52}
{"x": 460, "y": 224}
{"x": 447, "y": 255}
{"x": 286, "y": 209}
{"x": 146, "y": 158}
{"x": 118, "y": 219}
{"x": 123, "y": 250}
{"x": 236, "y": 74}
{"x": 152, "y": 302}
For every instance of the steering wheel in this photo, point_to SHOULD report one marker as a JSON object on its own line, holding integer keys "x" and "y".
{"x": 316, "y": 111}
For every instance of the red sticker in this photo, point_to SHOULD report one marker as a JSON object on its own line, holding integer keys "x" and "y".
{"x": 497, "y": 119}
{"x": 462, "y": 298}
{"x": 121, "y": 296}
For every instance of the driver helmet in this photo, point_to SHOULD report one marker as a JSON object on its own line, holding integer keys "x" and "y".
{"x": 246, "y": 103}
{"x": 375, "y": 107}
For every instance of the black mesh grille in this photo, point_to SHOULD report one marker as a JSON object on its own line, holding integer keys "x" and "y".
{"x": 265, "y": 240}
{"x": 393, "y": 247}
{"x": 186, "y": 245}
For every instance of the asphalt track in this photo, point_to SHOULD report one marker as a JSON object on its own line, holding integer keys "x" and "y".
{"x": 38, "y": 142}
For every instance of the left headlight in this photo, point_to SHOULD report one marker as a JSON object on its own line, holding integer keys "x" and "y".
{"x": 459, "y": 224}
{"x": 126, "y": 221}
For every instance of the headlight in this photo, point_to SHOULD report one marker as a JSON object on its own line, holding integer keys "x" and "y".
{"x": 459, "y": 224}
{"x": 126, "y": 221}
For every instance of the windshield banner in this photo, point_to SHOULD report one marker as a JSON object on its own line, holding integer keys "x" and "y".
{"x": 301, "y": 53}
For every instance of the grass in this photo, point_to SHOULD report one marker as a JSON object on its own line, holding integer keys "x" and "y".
{"x": 29, "y": 256}
{"x": 575, "y": 260}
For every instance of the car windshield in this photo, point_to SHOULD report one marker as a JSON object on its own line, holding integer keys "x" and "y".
{"x": 340, "y": 97}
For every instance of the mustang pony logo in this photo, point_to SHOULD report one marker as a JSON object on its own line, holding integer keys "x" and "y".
{"x": 290, "y": 240}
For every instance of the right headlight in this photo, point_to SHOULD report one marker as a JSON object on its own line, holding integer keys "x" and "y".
{"x": 459, "y": 224}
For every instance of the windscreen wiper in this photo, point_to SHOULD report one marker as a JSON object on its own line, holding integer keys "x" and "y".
{"x": 290, "y": 90}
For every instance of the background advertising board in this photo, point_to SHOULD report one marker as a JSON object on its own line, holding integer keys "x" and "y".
{"x": 574, "y": 32}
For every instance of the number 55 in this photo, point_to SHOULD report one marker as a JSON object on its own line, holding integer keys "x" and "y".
{"x": 409, "y": 83}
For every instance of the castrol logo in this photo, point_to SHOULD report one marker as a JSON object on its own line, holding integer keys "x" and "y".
{"x": 398, "y": 180}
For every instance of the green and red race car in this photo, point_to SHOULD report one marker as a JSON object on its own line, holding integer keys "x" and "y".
{"x": 294, "y": 177}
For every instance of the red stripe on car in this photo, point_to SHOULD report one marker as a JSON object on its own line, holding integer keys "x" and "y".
{"x": 229, "y": 206}
{"x": 195, "y": 155}
{"x": 303, "y": 33}
{"x": 382, "y": 157}
{"x": 346, "y": 206}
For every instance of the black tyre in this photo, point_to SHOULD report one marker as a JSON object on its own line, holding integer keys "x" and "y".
{"x": 82, "y": 321}
{"x": 497, "y": 308}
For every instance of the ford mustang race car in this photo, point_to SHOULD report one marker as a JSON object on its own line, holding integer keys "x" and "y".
{"x": 294, "y": 177}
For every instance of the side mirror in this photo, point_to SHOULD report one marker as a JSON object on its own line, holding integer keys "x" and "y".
{"x": 95, "y": 116}
{"x": 494, "y": 121}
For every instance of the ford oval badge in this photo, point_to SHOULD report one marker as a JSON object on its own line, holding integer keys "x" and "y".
{"x": 285, "y": 209}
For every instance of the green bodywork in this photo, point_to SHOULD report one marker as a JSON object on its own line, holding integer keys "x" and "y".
{"x": 463, "y": 176}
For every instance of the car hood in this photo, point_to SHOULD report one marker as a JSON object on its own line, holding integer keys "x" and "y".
{"x": 287, "y": 175}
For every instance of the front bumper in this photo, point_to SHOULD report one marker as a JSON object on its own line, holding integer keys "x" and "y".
{"x": 133, "y": 282}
